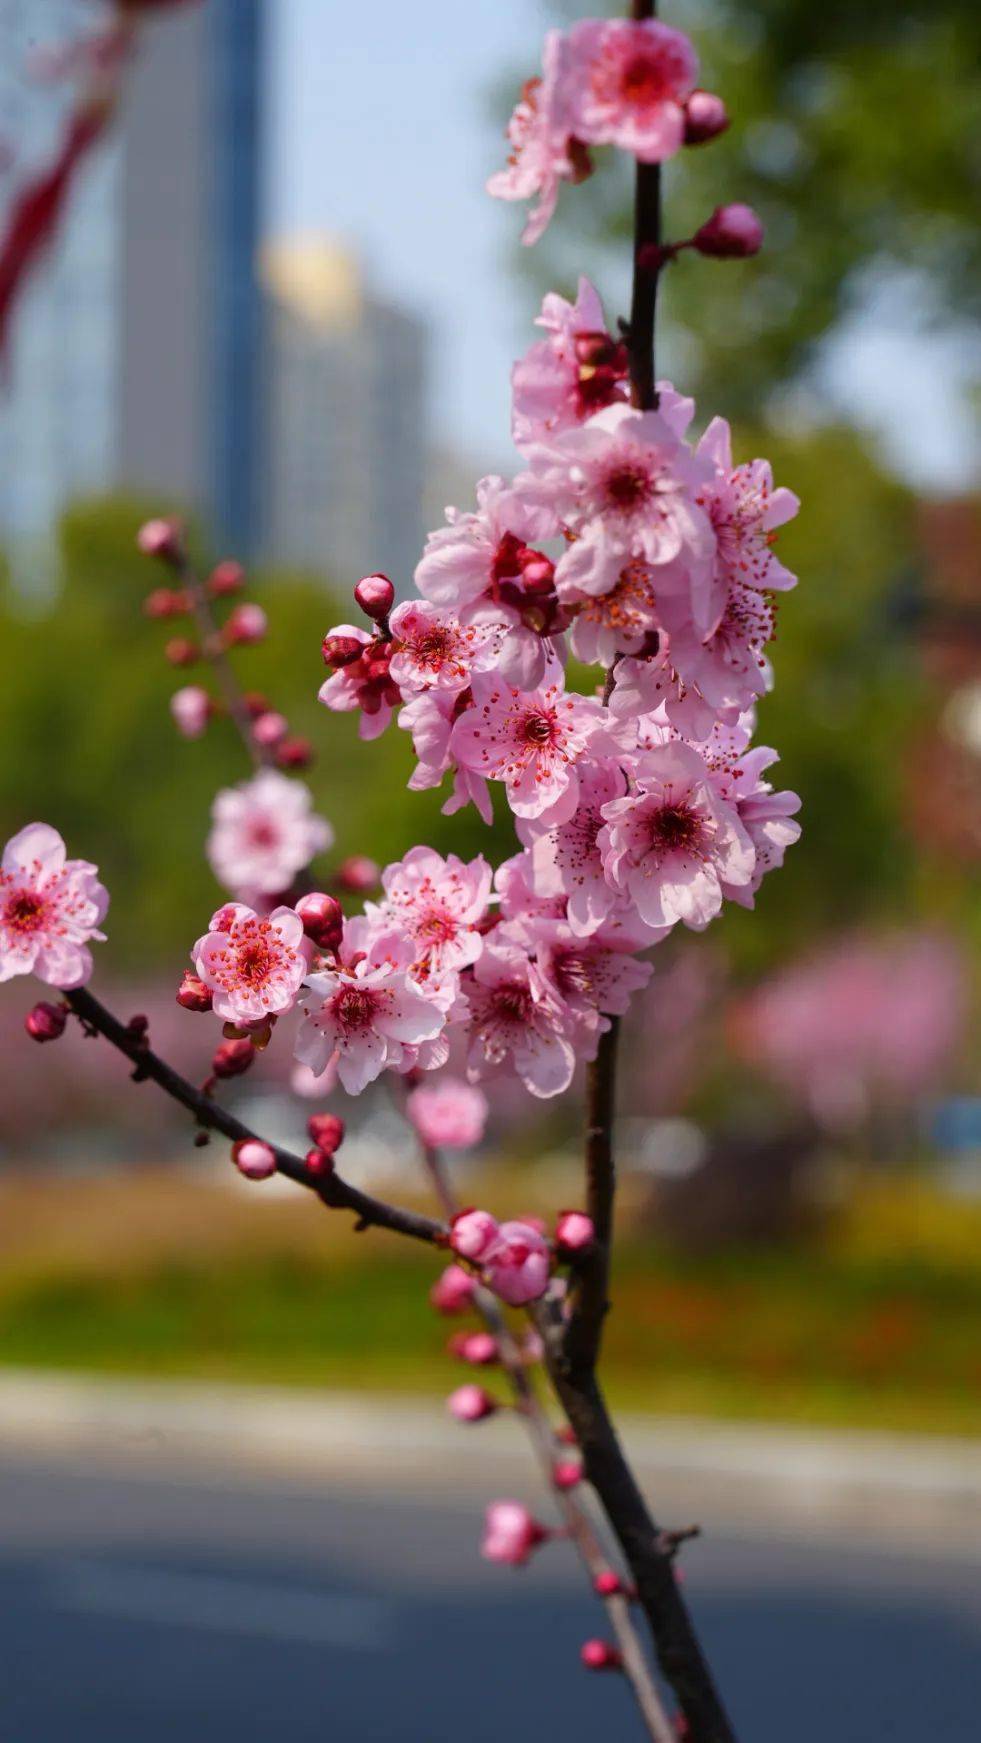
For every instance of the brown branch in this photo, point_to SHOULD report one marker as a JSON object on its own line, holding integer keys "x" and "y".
{"x": 330, "y": 1188}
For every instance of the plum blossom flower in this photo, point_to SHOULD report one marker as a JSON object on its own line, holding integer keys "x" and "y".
{"x": 672, "y": 844}
{"x": 254, "y": 966}
{"x": 530, "y": 740}
{"x": 521, "y": 898}
{"x": 50, "y": 908}
{"x": 625, "y": 485}
{"x": 434, "y": 650}
{"x": 511, "y": 1533}
{"x": 745, "y": 511}
{"x": 574, "y": 371}
{"x": 363, "y": 683}
{"x": 429, "y": 718}
{"x": 593, "y": 975}
{"x": 366, "y": 1016}
{"x": 264, "y": 831}
{"x": 516, "y": 1264}
{"x": 438, "y": 904}
{"x": 448, "y": 1114}
{"x": 620, "y": 621}
{"x": 767, "y": 817}
{"x": 631, "y": 81}
{"x": 542, "y": 153}
{"x": 566, "y": 858}
{"x": 470, "y": 557}
{"x": 513, "y": 1020}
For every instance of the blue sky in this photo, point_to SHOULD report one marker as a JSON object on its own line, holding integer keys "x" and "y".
{"x": 381, "y": 135}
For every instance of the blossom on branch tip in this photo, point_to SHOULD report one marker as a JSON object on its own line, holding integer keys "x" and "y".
{"x": 631, "y": 80}
{"x": 706, "y": 117}
{"x": 50, "y": 909}
{"x": 448, "y": 1114}
{"x": 264, "y": 831}
{"x": 253, "y": 966}
{"x": 163, "y": 539}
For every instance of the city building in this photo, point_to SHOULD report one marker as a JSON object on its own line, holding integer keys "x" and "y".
{"x": 345, "y": 417}
{"x": 135, "y": 359}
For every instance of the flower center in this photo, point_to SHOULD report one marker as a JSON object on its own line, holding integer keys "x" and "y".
{"x": 255, "y": 962}
{"x": 572, "y": 974}
{"x": 628, "y": 486}
{"x": 262, "y": 834}
{"x": 642, "y": 81}
{"x": 674, "y": 827}
{"x": 437, "y": 927}
{"x": 538, "y": 728}
{"x": 353, "y": 1007}
{"x": 24, "y": 912}
{"x": 513, "y": 1002}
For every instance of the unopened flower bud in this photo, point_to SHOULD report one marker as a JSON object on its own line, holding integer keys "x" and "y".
{"x": 607, "y": 1584}
{"x": 567, "y": 1474}
{"x": 225, "y": 578}
{"x": 472, "y": 1232}
{"x": 479, "y": 1348}
{"x": 706, "y": 116}
{"x": 471, "y": 1404}
{"x": 246, "y": 625}
{"x": 294, "y": 752}
{"x": 231, "y": 1058}
{"x": 164, "y": 602}
{"x": 163, "y": 539}
{"x": 182, "y": 652}
{"x": 254, "y": 1159}
{"x": 358, "y": 873}
{"x": 574, "y": 1231}
{"x": 46, "y": 1022}
{"x": 193, "y": 994}
{"x": 452, "y": 1292}
{"x": 270, "y": 728}
{"x": 190, "y": 709}
{"x": 319, "y": 1162}
{"x": 327, "y": 1131}
{"x": 341, "y": 650}
{"x": 511, "y": 1533}
{"x": 732, "y": 233}
{"x": 376, "y": 596}
{"x": 323, "y": 919}
{"x": 538, "y": 574}
{"x": 600, "y": 1655}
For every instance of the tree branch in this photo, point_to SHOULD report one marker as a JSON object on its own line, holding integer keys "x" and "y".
{"x": 330, "y": 1189}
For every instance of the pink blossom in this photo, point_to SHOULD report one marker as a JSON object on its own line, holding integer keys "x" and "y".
{"x": 589, "y": 975}
{"x": 529, "y": 740}
{"x": 672, "y": 843}
{"x": 363, "y": 683}
{"x": 254, "y": 966}
{"x": 565, "y": 377}
{"x": 438, "y": 904}
{"x": 472, "y": 1233}
{"x": 516, "y": 1264}
{"x": 435, "y": 650}
{"x": 471, "y": 1403}
{"x": 624, "y": 484}
{"x": 190, "y": 709}
{"x": 429, "y": 718}
{"x": 453, "y": 1290}
{"x": 366, "y": 1017}
{"x": 617, "y": 622}
{"x": 632, "y": 79}
{"x": 50, "y": 908}
{"x": 514, "y": 1021}
{"x": 448, "y": 1114}
{"x": 511, "y": 1533}
{"x": 766, "y": 816}
{"x": 567, "y": 857}
{"x": 574, "y": 1231}
{"x": 538, "y": 134}
{"x": 745, "y": 511}
{"x": 522, "y": 898}
{"x": 264, "y": 832}
{"x": 474, "y": 553}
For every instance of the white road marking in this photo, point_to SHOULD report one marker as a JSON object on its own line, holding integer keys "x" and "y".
{"x": 226, "y": 1606}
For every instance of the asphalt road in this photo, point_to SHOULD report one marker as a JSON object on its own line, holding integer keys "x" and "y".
{"x": 138, "y": 1607}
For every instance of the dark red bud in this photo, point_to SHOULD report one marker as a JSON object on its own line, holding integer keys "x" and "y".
{"x": 164, "y": 602}
{"x": 327, "y": 1131}
{"x": 323, "y": 919}
{"x": 358, "y": 873}
{"x": 232, "y": 1058}
{"x": 341, "y": 650}
{"x": 706, "y": 117}
{"x": 600, "y": 1655}
{"x": 319, "y": 1162}
{"x": 732, "y": 233}
{"x": 225, "y": 578}
{"x": 294, "y": 753}
{"x": 163, "y": 539}
{"x": 375, "y": 595}
{"x": 181, "y": 652}
{"x": 193, "y": 994}
{"x": 46, "y": 1022}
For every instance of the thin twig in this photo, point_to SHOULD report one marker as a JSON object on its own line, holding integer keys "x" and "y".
{"x": 214, "y": 652}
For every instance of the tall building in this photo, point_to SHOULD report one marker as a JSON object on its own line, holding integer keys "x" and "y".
{"x": 345, "y": 417}
{"x": 135, "y": 356}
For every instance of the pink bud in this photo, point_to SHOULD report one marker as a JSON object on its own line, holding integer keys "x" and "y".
{"x": 231, "y": 1058}
{"x": 732, "y": 233}
{"x": 246, "y": 625}
{"x": 163, "y": 539}
{"x": 375, "y": 595}
{"x": 270, "y": 728}
{"x": 294, "y": 753}
{"x": 190, "y": 709}
{"x": 319, "y": 1162}
{"x": 323, "y": 919}
{"x": 164, "y": 602}
{"x": 574, "y": 1231}
{"x": 706, "y": 117}
{"x": 478, "y": 1348}
{"x": 600, "y": 1655}
{"x": 567, "y": 1474}
{"x": 607, "y": 1584}
{"x": 358, "y": 873}
{"x": 193, "y": 994}
{"x": 327, "y": 1131}
{"x": 182, "y": 652}
{"x": 225, "y": 578}
{"x": 452, "y": 1292}
{"x": 253, "y": 1158}
{"x": 472, "y": 1232}
{"x": 516, "y": 1262}
{"x": 45, "y": 1022}
{"x": 511, "y": 1533}
{"x": 471, "y": 1404}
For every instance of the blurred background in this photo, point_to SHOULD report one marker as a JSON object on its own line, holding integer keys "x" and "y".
{"x": 279, "y": 304}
